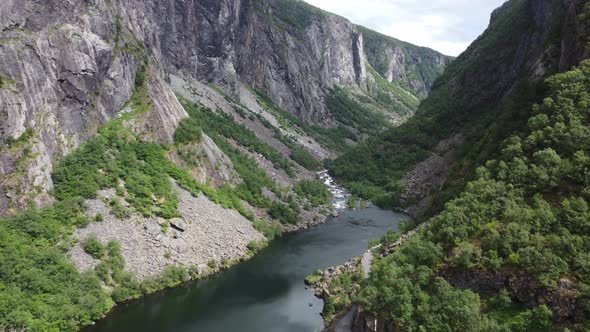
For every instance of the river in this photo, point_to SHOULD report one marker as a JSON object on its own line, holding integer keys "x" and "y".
{"x": 266, "y": 293}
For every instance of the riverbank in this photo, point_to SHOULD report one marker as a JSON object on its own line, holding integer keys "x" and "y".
{"x": 341, "y": 308}
{"x": 204, "y": 241}
{"x": 204, "y": 235}
{"x": 265, "y": 292}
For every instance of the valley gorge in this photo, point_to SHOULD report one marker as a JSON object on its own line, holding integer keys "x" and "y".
{"x": 153, "y": 143}
{"x": 183, "y": 145}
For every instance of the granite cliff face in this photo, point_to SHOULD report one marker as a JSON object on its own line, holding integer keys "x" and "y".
{"x": 67, "y": 67}
{"x": 412, "y": 67}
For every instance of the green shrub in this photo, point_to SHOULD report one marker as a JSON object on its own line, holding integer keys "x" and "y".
{"x": 314, "y": 191}
{"x": 188, "y": 131}
{"x": 94, "y": 247}
{"x": 271, "y": 232}
{"x": 301, "y": 156}
{"x": 255, "y": 246}
{"x": 173, "y": 276}
{"x": 119, "y": 210}
{"x": 284, "y": 213}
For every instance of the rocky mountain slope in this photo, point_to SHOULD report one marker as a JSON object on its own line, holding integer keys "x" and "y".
{"x": 494, "y": 167}
{"x": 70, "y": 66}
{"x": 128, "y": 127}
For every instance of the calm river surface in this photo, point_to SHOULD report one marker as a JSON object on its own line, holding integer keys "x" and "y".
{"x": 266, "y": 293}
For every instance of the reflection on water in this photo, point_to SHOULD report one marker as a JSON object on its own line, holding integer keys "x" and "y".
{"x": 266, "y": 293}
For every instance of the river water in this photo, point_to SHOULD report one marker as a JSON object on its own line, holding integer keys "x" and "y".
{"x": 266, "y": 293}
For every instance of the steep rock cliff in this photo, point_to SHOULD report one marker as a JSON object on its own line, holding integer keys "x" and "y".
{"x": 415, "y": 68}
{"x": 67, "y": 67}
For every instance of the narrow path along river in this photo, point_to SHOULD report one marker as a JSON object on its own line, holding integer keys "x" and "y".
{"x": 266, "y": 293}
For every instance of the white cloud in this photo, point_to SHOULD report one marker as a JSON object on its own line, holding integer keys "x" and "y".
{"x": 448, "y": 26}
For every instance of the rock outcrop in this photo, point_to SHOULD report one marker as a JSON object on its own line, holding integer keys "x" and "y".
{"x": 523, "y": 288}
{"x": 414, "y": 67}
{"x": 428, "y": 176}
{"x": 206, "y": 163}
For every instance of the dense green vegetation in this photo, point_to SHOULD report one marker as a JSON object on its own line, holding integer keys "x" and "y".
{"x": 527, "y": 212}
{"x": 188, "y": 131}
{"x": 285, "y": 213}
{"x": 344, "y": 285}
{"x": 314, "y": 191}
{"x": 352, "y": 114}
{"x": 220, "y": 128}
{"x": 93, "y": 247}
{"x": 301, "y": 156}
{"x": 39, "y": 287}
{"x": 113, "y": 156}
{"x": 374, "y": 168}
{"x": 221, "y": 124}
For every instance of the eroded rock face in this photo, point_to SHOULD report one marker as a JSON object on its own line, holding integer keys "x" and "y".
{"x": 159, "y": 124}
{"x": 69, "y": 66}
{"x": 63, "y": 76}
{"x": 63, "y": 82}
{"x": 414, "y": 67}
{"x": 206, "y": 163}
{"x": 428, "y": 176}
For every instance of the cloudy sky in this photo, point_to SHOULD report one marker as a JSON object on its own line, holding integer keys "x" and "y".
{"x": 448, "y": 26}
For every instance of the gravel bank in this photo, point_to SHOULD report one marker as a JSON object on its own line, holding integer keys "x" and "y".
{"x": 209, "y": 232}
